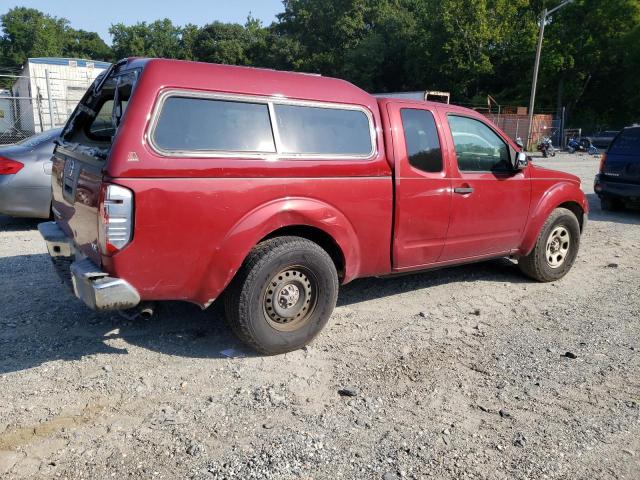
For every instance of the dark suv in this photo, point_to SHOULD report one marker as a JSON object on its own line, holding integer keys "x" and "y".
{"x": 618, "y": 182}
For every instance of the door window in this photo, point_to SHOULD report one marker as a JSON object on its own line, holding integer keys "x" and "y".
{"x": 421, "y": 137}
{"x": 478, "y": 148}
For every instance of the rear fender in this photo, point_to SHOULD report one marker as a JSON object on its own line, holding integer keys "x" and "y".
{"x": 559, "y": 194}
{"x": 261, "y": 222}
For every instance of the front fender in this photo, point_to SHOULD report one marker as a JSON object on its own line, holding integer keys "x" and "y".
{"x": 548, "y": 201}
{"x": 267, "y": 218}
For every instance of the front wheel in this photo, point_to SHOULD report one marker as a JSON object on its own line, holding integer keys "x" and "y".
{"x": 556, "y": 248}
{"x": 283, "y": 295}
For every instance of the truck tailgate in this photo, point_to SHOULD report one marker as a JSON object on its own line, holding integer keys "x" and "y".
{"x": 76, "y": 182}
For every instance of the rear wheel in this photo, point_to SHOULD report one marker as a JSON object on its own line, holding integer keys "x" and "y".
{"x": 283, "y": 295}
{"x": 556, "y": 248}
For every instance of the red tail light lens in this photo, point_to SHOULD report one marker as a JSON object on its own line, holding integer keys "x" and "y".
{"x": 9, "y": 166}
{"x": 603, "y": 159}
{"x": 116, "y": 218}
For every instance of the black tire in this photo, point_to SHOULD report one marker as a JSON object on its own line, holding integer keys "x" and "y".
{"x": 276, "y": 264}
{"x": 610, "y": 205}
{"x": 547, "y": 267}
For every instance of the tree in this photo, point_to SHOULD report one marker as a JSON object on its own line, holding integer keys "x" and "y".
{"x": 30, "y": 33}
{"x": 83, "y": 44}
{"x": 157, "y": 39}
{"x": 590, "y": 47}
{"x": 219, "y": 42}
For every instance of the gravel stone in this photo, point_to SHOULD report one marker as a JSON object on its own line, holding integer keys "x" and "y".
{"x": 348, "y": 392}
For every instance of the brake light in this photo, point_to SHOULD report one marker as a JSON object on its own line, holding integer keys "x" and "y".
{"x": 603, "y": 159}
{"x": 9, "y": 166}
{"x": 116, "y": 218}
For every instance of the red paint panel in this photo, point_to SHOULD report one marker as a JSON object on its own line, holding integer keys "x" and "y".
{"x": 492, "y": 217}
{"x": 423, "y": 199}
{"x": 191, "y": 235}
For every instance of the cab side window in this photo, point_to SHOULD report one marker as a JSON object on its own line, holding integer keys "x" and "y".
{"x": 478, "y": 148}
{"x": 421, "y": 137}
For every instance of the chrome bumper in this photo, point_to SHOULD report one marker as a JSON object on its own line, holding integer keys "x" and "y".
{"x": 90, "y": 284}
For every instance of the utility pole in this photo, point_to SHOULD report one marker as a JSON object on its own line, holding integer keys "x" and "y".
{"x": 536, "y": 66}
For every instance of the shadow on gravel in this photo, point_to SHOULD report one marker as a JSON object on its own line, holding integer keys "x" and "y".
{"x": 41, "y": 321}
{"x": 10, "y": 224}
{"x": 498, "y": 270}
{"x": 628, "y": 216}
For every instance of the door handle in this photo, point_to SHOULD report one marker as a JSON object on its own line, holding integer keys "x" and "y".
{"x": 463, "y": 190}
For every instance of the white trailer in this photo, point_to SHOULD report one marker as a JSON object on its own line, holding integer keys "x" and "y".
{"x": 48, "y": 90}
{"x": 6, "y": 111}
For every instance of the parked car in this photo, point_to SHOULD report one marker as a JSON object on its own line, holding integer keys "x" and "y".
{"x": 618, "y": 182}
{"x": 25, "y": 176}
{"x": 603, "y": 139}
{"x": 273, "y": 188}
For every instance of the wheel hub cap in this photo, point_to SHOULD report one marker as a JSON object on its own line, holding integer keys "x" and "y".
{"x": 289, "y": 298}
{"x": 558, "y": 245}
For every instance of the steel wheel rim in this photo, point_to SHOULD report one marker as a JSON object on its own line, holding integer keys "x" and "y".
{"x": 290, "y": 298}
{"x": 558, "y": 245}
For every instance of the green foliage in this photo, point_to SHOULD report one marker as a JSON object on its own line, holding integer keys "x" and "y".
{"x": 471, "y": 48}
{"x": 30, "y": 33}
{"x": 83, "y": 44}
{"x": 157, "y": 39}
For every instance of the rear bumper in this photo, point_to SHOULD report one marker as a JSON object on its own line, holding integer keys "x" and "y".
{"x": 619, "y": 190}
{"x": 90, "y": 284}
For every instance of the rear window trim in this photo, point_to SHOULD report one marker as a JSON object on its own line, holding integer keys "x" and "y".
{"x": 270, "y": 101}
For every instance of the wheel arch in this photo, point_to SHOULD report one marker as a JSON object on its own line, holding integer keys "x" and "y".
{"x": 318, "y": 236}
{"x": 562, "y": 195}
{"x": 308, "y": 218}
{"x": 575, "y": 208}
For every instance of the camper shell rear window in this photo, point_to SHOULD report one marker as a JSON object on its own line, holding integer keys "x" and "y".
{"x": 97, "y": 117}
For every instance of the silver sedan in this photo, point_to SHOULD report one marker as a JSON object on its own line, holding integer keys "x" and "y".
{"x": 25, "y": 176}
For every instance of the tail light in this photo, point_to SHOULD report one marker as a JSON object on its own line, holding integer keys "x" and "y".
{"x": 603, "y": 159}
{"x": 9, "y": 166}
{"x": 116, "y": 218}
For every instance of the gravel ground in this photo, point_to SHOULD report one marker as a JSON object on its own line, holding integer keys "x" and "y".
{"x": 457, "y": 373}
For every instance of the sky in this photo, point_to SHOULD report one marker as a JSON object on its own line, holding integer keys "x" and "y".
{"x": 99, "y": 17}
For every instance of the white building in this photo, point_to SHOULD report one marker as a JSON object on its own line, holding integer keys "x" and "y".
{"x": 48, "y": 90}
{"x": 6, "y": 111}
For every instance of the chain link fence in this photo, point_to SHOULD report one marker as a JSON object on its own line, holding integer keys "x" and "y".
{"x": 40, "y": 101}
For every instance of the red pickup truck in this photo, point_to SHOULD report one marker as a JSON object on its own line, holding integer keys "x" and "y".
{"x": 185, "y": 181}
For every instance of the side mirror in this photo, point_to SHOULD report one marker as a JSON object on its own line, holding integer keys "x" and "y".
{"x": 521, "y": 161}
{"x": 519, "y": 142}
